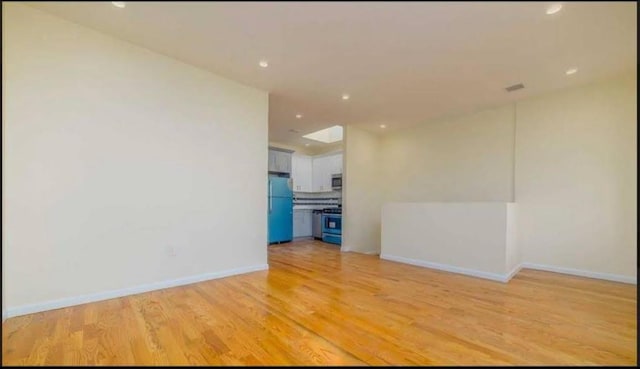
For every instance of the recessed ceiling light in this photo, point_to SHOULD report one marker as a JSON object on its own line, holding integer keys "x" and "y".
{"x": 571, "y": 71}
{"x": 119, "y": 4}
{"x": 554, "y": 8}
{"x": 307, "y": 144}
{"x": 345, "y": 97}
{"x": 264, "y": 63}
{"x": 383, "y": 126}
{"x": 298, "y": 116}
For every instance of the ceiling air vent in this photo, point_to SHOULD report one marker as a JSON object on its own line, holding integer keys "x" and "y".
{"x": 514, "y": 87}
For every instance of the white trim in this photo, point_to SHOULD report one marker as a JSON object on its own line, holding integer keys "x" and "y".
{"x": 513, "y": 272}
{"x": 507, "y": 277}
{"x": 99, "y": 296}
{"x": 582, "y": 273}
{"x": 360, "y": 252}
{"x": 449, "y": 268}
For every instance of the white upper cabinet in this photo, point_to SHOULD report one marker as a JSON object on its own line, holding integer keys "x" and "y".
{"x": 272, "y": 161}
{"x": 313, "y": 173}
{"x": 279, "y": 161}
{"x": 301, "y": 168}
{"x": 322, "y": 167}
{"x": 319, "y": 171}
{"x": 336, "y": 164}
{"x": 283, "y": 161}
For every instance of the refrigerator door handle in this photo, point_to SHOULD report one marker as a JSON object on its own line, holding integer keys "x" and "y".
{"x": 270, "y": 196}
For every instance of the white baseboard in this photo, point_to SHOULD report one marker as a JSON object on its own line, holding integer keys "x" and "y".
{"x": 362, "y": 252}
{"x": 513, "y": 272}
{"x": 507, "y": 277}
{"x": 504, "y": 278}
{"x": 582, "y": 273}
{"x": 106, "y": 295}
{"x": 344, "y": 249}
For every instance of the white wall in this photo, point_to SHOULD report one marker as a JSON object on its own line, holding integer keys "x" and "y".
{"x": 513, "y": 251}
{"x": 464, "y": 158}
{"x": 571, "y": 170}
{"x": 116, "y": 165}
{"x": 324, "y": 149}
{"x": 576, "y": 182}
{"x": 467, "y": 237}
{"x": 361, "y": 194}
{"x": 4, "y": 303}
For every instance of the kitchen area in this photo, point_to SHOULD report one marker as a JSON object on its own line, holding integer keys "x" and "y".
{"x": 305, "y": 196}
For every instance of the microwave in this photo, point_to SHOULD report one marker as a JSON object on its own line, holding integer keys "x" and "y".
{"x": 336, "y": 182}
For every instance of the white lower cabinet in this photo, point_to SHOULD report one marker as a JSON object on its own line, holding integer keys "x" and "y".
{"x": 302, "y": 219}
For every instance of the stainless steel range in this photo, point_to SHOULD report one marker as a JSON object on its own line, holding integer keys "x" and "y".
{"x": 332, "y": 225}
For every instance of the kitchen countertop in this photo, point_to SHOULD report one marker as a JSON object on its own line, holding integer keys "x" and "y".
{"x": 312, "y": 207}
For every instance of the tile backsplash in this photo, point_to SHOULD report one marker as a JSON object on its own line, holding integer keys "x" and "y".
{"x": 318, "y": 195}
{"x": 327, "y": 199}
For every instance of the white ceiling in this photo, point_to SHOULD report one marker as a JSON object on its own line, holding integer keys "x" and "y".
{"x": 402, "y": 63}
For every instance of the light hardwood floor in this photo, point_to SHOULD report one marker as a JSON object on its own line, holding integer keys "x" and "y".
{"x": 317, "y": 306}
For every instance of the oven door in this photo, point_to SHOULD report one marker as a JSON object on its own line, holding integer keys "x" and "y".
{"x": 331, "y": 223}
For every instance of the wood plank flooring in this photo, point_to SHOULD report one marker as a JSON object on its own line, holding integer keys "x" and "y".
{"x": 317, "y": 306}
